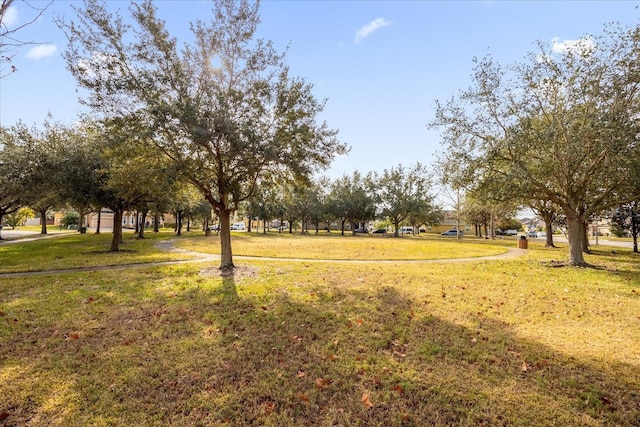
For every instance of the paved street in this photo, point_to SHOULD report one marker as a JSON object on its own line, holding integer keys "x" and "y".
{"x": 602, "y": 241}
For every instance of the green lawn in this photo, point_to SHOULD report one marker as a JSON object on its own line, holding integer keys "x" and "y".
{"x": 348, "y": 247}
{"x": 283, "y": 343}
{"x": 74, "y": 250}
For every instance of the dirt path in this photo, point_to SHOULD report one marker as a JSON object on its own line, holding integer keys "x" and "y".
{"x": 167, "y": 246}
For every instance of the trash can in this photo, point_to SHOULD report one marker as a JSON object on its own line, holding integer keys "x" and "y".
{"x": 523, "y": 243}
{"x": 83, "y": 230}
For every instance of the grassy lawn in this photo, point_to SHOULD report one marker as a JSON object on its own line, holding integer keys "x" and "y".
{"x": 74, "y": 250}
{"x": 348, "y": 247}
{"x": 283, "y": 343}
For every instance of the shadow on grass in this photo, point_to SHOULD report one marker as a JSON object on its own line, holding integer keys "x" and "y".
{"x": 203, "y": 355}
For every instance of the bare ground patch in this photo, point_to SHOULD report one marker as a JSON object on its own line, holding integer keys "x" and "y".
{"x": 237, "y": 273}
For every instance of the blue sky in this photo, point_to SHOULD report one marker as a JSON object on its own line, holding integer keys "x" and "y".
{"x": 380, "y": 64}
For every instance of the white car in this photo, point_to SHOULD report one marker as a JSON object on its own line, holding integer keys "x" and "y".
{"x": 541, "y": 235}
{"x": 238, "y": 226}
{"x": 452, "y": 232}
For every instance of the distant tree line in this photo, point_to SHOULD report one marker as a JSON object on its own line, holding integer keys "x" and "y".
{"x": 85, "y": 168}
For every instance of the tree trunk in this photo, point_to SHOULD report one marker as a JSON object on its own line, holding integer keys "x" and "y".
{"x": 1, "y": 216}
{"x": 117, "y": 230}
{"x": 575, "y": 235}
{"x": 156, "y": 222}
{"x": 43, "y": 221}
{"x": 226, "y": 257}
{"x": 143, "y": 218}
{"x": 179, "y": 223}
{"x": 634, "y": 226}
{"x": 584, "y": 238}
{"x": 137, "y": 224}
{"x": 80, "y": 219}
{"x": 189, "y": 224}
{"x": 396, "y": 223}
{"x": 99, "y": 220}
{"x": 548, "y": 226}
{"x": 492, "y": 226}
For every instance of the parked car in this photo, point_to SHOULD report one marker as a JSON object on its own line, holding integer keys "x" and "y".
{"x": 423, "y": 230}
{"x": 361, "y": 230}
{"x": 532, "y": 234}
{"x": 511, "y": 232}
{"x": 238, "y": 226}
{"x": 380, "y": 231}
{"x": 405, "y": 229}
{"x": 215, "y": 227}
{"x": 452, "y": 232}
{"x": 541, "y": 235}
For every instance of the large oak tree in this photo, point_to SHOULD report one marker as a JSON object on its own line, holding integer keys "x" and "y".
{"x": 223, "y": 107}
{"x": 558, "y": 126}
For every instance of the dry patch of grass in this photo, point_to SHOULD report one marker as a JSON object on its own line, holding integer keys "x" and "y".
{"x": 336, "y": 247}
{"x": 509, "y": 342}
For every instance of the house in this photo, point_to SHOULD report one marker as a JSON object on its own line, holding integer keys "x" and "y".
{"x": 449, "y": 222}
{"x": 106, "y": 219}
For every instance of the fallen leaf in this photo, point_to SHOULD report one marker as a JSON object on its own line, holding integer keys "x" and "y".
{"x": 321, "y": 383}
{"x": 4, "y": 416}
{"x": 304, "y": 397}
{"x": 366, "y": 401}
{"x": 398, "y": 388}
{"x": 359, "y": 322}
{"x": 269, "y": 407}
{"x": 542, "y": 364}
{"x": 525, "y": 368}
{"x": 74, "y": 336}
{"x": 300, "y": 374}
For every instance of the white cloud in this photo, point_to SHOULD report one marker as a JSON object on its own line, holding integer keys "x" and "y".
{"x": 10, "y": 17}
{"x": 580, "y": 46}
{"x": 42, "y": 51}
{"x": 368, "y": 29}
